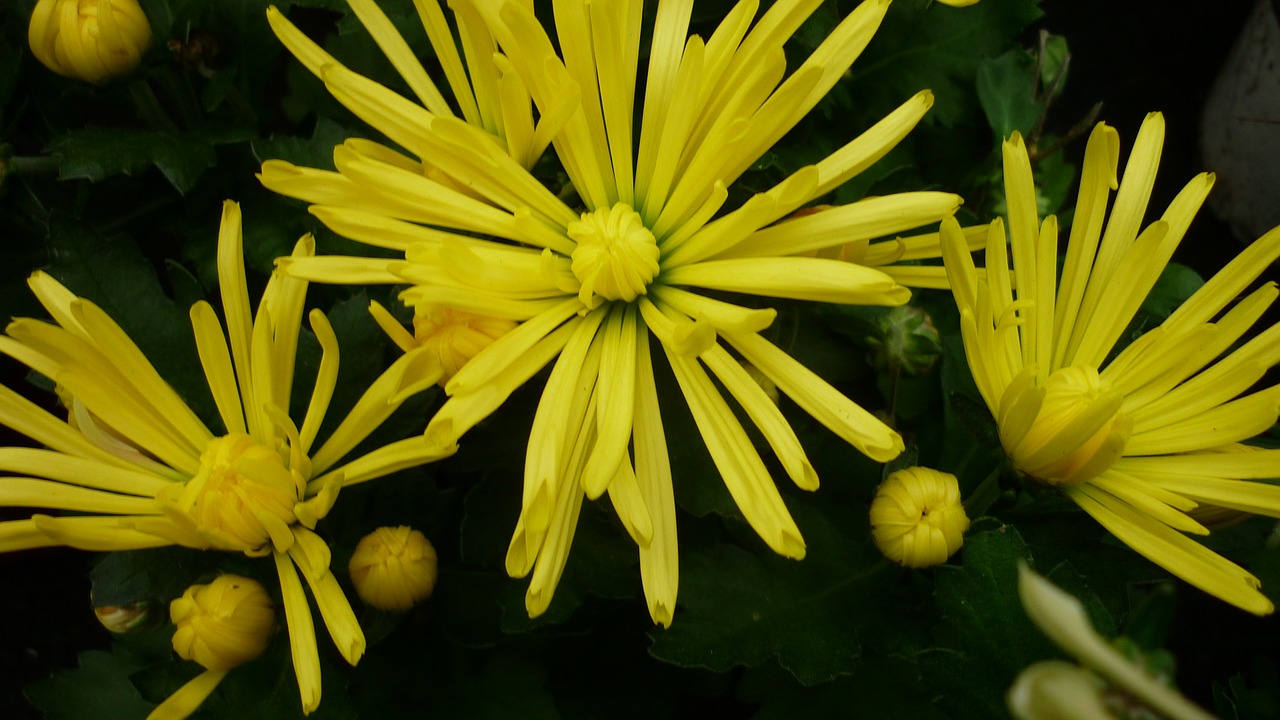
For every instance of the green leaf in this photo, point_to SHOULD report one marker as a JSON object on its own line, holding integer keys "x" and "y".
{"x": 100, "y": 688}
{"x": 927, "y": 45}
{"x": 122, "y": 578}
{"x": 985, "y": 637}
{"x": 97, "y": 153}
{"x": 744, "y": 608}
{"x": 315, "y": 152}
{"x": 1006, "y": 88}
{"x": 1176, "y": 284}
{"x": 113, "y": 273}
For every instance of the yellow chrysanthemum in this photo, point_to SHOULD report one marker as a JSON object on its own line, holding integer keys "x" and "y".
{"x": 90, "y": 40}
{"x": 917, "y": 519}
{"x": 1141, "y": 438}
{"x": 442, "y": 341}
{"x": 149, "y": 473}
{"x": 589, "y": 286}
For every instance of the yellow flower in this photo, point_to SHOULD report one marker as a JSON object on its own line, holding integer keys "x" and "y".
{"x": 149, "y": 473}
{"x": 221, "y": 625}
{"x": 1056, "y": 690}
{"x": 1140, "y": 438}
{"x": 90, "y": 40}
{"x": 393, "y": 568}
{"x": 589, "y": 286}
{"x": 916, "y": 517}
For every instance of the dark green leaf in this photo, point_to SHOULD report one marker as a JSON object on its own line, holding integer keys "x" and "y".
{"x": 98, "y": 153}
{"x": 123, "y": 578}
{"x": 1006, "y": 88}
{"x": 100, "y": 688}
{"x": 743, "y": 608}
{"x": 985, "y": 637}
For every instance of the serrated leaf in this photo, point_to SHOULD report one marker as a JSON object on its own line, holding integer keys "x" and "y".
{"x": 122, "y": 578}
{"x": 985, "y": 637}
{"x": 97, "y": 153}
{"x": 739, "y": 607}
{"x": 1006, "y": 88}
{"x": 315, "y": 151}
{"x": 100, "y": 688}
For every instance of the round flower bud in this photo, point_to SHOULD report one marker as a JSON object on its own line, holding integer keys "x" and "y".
{"x": 916, "y": 517}
{"x": 90, "y": 40}
{"x": 906, "y": 339}
{"x": 393, "y": 568}
{"x": 223, "y": 624}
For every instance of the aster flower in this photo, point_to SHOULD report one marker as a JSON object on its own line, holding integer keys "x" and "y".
{"x": 1141, "y": 437}
{"x": 590, "y": 286}
{"x": 148, "y": 472}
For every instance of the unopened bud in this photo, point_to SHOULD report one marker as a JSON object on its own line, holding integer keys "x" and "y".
{"x": 90, "y": 40}
{"x": 223, "y": 624}
{"x": 916, "y": 517}
{"x": 393, "y": 568}
{"x": 905, "y": 338}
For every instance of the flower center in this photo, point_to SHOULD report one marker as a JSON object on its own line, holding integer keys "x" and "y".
{"x": 1077, "y": 432}
{"x": 242, "y": 497}
{"x": 616, "y": 257}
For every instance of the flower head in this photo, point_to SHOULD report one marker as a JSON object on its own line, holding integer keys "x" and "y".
{"x": 223, "y": 624}
{"x": 144, "y": 471}
{"x": 1146, "y": 438}
{"x": 90, "y": 40}
{"x": 393, "y": 568}
{"x": 593, "y": 286}
{"x": 220, "y": 625}
{"x": 1056, "y": 690}
{"x": 916, "y": 517}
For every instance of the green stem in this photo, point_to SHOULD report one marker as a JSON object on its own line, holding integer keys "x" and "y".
{"x": 148, "y": 106}
{"x": 32, "y": 165}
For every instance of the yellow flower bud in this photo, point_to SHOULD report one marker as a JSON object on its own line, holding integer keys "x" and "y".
{"x": 393, "y": 568}
{"x": 223, "y": 624}
{"x": 916, "y": 517}
{"x": 90, "y": 40}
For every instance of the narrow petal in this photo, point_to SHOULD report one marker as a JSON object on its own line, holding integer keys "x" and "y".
{"x": 187, "y": 699}
{"x": 795, "y": 278}
{"x": 302, "y": 633}
{"x": 1173, "y": 551}
{"x": 659, "y": 561}
{"x": 837, "y": 412}
{"x": 739, "y": 464}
